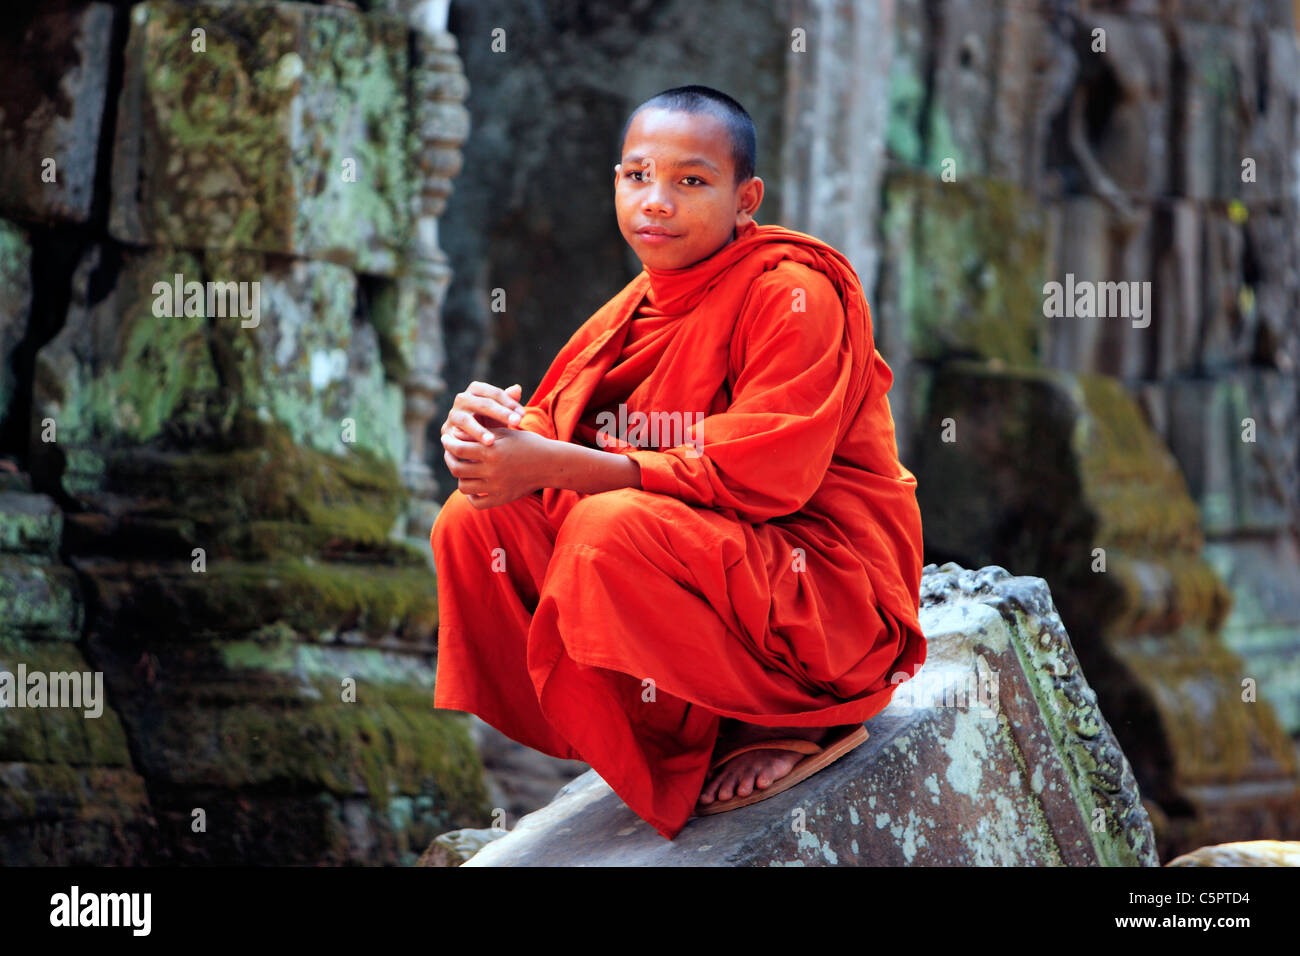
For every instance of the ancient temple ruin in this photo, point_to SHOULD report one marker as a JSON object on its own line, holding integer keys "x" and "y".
{"x": 247, "y": 248}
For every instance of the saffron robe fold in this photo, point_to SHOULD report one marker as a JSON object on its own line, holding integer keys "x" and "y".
{"x": 769, "y": 568}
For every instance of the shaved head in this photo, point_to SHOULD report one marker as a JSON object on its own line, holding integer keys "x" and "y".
{"x": 704, "y": 99}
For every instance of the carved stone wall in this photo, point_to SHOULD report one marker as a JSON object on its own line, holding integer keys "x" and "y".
{"x": 220, "y": 327}
{"x": 1117, "y": 142}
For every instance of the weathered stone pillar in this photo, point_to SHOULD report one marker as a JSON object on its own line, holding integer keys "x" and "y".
{"x": 436, "y": 88}
{"x": 837, "y": 108}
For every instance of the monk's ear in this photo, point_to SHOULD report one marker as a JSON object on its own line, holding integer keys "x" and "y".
{"x": 618, "y": 168}
{"x": 749, "y": 198}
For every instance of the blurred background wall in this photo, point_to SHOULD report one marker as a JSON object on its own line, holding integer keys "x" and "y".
{"x": 230, "y": 520}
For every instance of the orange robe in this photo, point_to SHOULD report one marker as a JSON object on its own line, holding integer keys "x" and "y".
{"x": 769, "y": 568}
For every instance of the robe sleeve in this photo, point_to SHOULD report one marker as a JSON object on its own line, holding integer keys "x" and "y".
{"x": 768, "y": 452}
{"x": 536, "y": 419}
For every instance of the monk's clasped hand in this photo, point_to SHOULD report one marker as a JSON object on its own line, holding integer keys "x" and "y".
{"x": 512, "y": 466}
{"x": 475, "y": 409}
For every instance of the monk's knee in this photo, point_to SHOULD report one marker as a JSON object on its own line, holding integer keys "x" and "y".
{"x": 451, "y": 519}
{"x": 607, "y": 517}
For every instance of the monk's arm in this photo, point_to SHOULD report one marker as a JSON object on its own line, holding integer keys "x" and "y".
{"x": 588, "y": 470}
{"x": 579, "y": 468}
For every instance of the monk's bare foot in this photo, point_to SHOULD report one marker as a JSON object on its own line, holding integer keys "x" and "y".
{"x": 757, "y": 769}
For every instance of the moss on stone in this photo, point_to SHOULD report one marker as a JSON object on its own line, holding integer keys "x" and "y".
{"x": 241, "y": 498}
{"x": 1130, "y": 476}
{"x": 38, "y": 599}
{"x": 970, "y": 260}
{"x": 313, "y": 597}
{"x": 247, "y": 140}
{"x": 62, "y": 735}
{"x": 153, "y": 380}
{"x": 1213, "y": 736}
{"x": 68, "y": 796}
{"x": 390, "y": 741}
{"x": 31, "y": 523}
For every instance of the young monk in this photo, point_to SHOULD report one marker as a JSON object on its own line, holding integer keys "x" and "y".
{"x": 741, "y": 581}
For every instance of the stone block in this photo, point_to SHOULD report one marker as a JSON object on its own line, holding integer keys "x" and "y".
{"x": 1219, "y": 12}
{"x": 1216, "y": 110}
{"x": 38, "y": 599}
{"x": 1147, "y": 8}
{"x": 285, "y": 134}
{"x": 1263, "y": 628}
{"x": 1031, "y": 67}
{"x": 964, "y": 89}
{"x": 121, "y": 375}
{"x": 1180, "y": 283}
{"x": 1240, "y": 485}
{"x": 907, "y": 90}
{"x": 980, "y": 92}
{"x": 1271, "y": 285}
{"x": 64, "y": 815}
{"x": 56, "y": 65}
{"x": 457, "y": 846}
{"x": 1105, "y": 317}
{"x": 68, "y": 792}
{"x": 314, "y": 363}
{"x": 963, "y": 267}
{"x": 29, "y": 524}
{"x": 1224, "y": 336}
{"x": 1244, "y": 853}
{"x": 261, "y": 733}
{"x": 1275, "y": 121}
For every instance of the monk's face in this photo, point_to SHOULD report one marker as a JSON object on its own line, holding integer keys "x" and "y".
{"x": 675, "y": 190}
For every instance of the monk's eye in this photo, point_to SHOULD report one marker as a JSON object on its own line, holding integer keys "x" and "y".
{"x": 696, "y": 178}
{"x": 634, "y": 172}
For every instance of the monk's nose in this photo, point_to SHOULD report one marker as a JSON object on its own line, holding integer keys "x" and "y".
{"x": 656, "y": 199}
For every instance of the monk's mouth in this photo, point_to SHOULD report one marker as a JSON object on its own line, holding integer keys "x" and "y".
{"x": 656, "y": 237}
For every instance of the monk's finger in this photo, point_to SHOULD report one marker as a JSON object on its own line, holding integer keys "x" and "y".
{"x": 473, "y": 490}
{"x": 450, "y": 426}
{"x": 465, "y": 416}
{"x": 508, "y": 396}
{"x": 454, "y": 464}
{"x": 462, "y": 453}
{"x": 496, "y": 403}
{"x": 495, "y": 411}
{"x": 465, "y": 452}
